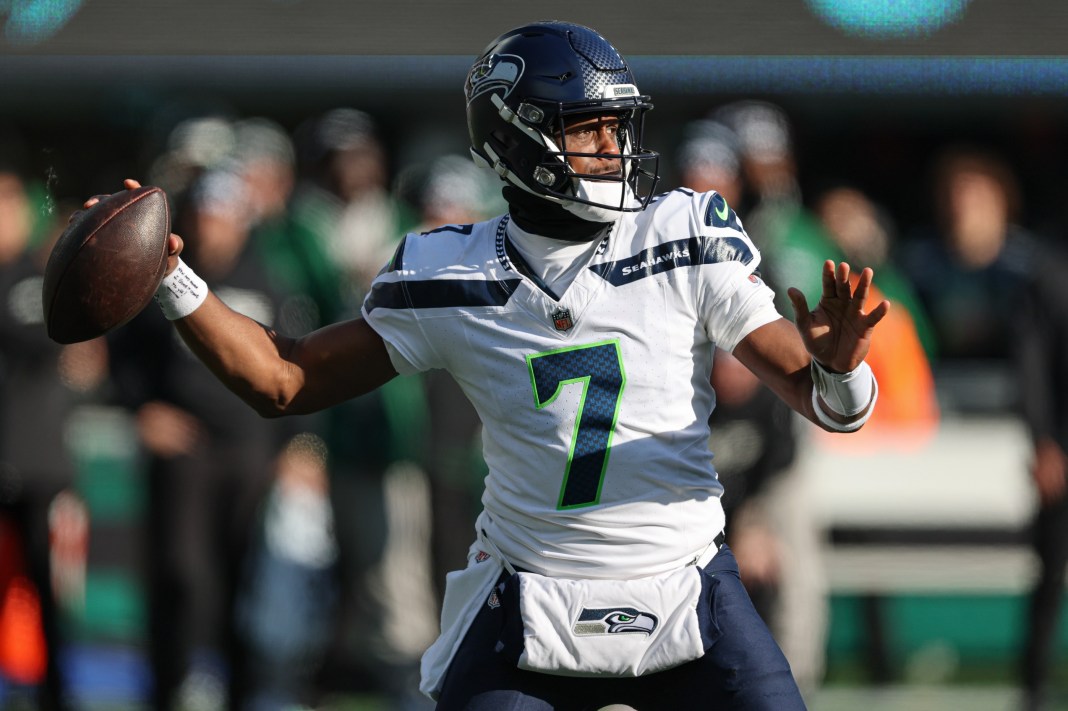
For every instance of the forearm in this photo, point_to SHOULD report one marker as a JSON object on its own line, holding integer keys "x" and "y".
{"x": 278, "y": 375}
{"x": 777, "y": 355}
{"x": 248, "y": 357}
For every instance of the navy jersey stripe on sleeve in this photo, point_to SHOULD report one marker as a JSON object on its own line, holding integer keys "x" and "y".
{"x": 440, "y": 293}
{"x": 671, "y": 255}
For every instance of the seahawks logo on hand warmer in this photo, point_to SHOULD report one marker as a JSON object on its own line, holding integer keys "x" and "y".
{"x": 614, "y": 620}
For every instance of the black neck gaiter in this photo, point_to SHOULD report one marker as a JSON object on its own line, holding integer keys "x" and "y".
{"x": 541, "y": 217}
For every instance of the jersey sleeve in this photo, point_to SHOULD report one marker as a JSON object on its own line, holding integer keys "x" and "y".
{"x": 389, "y": 310}
{"x": 732, "y": 298}
{"x": 751, "y": 306}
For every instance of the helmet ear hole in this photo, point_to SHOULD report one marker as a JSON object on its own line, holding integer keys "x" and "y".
{"x": 502, "y": 142}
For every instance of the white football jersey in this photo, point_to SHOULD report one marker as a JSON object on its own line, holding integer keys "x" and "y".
{"x": 594, "y": 402}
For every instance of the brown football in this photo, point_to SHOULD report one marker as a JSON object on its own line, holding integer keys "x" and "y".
{"x": 107, "y": 264}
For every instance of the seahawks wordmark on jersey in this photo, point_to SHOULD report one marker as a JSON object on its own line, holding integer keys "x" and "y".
{"x": 595, "y": 402}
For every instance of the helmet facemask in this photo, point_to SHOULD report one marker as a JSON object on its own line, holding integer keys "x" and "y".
{"x": 600, "y": 196}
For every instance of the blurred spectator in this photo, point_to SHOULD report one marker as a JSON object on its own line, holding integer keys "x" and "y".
{"x": 210, "y": 459}
{"x": 867, "y": 235}
{"x": 341, "y": 228}
{"x": 968, "y": 267}
{"x": 447, "y": 190}
{"x": 790, "y": 238}
{"x": 36, "y": 376}
{"x": 345, "y": 199}
{"x": 450, "y": 190}
{"x": 288, "y": 607}
{"x": 908, "y": 406}
{"x": 264, "y": 157}
{"x": 709, "y": 159}
{"x": 753, "y": 434}
{"x": 288, "y": 596}
{"x": 192, "y": 146}
{"x": 257, "y": 149}
{"x": 1041, "y": 350}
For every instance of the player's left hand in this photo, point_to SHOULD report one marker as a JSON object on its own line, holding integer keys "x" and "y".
{"x": 837, "y": 333}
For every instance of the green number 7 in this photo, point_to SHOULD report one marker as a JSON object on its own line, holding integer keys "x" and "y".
{"x": 599, "y": 367}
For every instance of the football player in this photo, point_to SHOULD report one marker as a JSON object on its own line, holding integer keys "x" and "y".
{"x": 581, "y": 325}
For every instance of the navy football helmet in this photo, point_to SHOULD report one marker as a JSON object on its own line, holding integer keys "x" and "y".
{"x": 524, "y": 88}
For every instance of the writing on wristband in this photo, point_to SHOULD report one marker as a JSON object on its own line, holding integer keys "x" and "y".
{"x": 181, "y": 292}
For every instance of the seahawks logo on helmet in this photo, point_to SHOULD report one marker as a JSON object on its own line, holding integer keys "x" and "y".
{"x": 495, "y": 72}
{"x": 614, "y": 620}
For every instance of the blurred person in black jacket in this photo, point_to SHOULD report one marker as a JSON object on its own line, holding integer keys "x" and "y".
{"x": 343, "y": 226}
{"x": 969, "y": 266}
{"x": 35, "y": 465}
{"x": 211, "y": 460}
{"x": 1042, "y": 366}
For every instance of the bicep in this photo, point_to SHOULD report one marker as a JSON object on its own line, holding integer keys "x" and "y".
{"x": 337, "y": 363}
{"x": 775, "y": 353}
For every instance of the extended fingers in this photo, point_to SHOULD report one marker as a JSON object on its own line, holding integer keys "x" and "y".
{"x": 800, "y": 304}
{"x": 841, "y": 281}
{"x": 860, "y": 294}
{"x": 877, "y": 314}
{"x": 829, "y": 287}
{"x": 836, "y": 281}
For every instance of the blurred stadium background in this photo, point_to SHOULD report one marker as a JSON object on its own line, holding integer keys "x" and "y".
{"x": 926, "y": 562}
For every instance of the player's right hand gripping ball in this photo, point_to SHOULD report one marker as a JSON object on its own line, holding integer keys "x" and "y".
{"x": 107, "y": 264}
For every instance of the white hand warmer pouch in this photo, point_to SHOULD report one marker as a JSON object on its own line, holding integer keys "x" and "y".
{"x": 613, "y": 628}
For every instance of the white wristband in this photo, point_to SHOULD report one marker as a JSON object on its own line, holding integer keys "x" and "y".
{"x": 181, "y": 292}
{"x": 847, "y": 394}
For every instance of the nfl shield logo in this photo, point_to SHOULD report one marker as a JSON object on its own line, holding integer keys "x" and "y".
{"x": 562, "y": 319}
